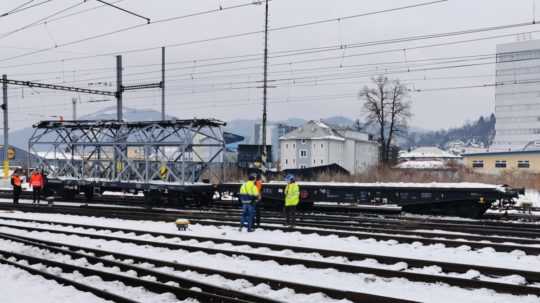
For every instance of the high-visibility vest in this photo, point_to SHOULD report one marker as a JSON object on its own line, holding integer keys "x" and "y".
{"x": 16, "y": 180}
{"x": 259, "y": 186}
{"x": 292, "y": 194}
{"x": 36, "y": 180}
{"x": 248, "y": 191}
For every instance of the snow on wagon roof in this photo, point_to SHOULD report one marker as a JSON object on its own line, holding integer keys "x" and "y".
{"x": 403, "y": 184}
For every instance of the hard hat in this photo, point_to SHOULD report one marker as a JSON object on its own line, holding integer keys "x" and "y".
{"x": 289, "y": 178}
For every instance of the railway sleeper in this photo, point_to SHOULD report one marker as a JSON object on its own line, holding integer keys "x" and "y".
{"x": 385, "y": 273}
{"x": 531, "y": 276}
{"x": 277, "y": 284}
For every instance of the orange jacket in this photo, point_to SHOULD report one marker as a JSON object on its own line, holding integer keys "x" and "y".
{"x": 15, "y": 180}
{"x": 36, "y": 180}
{"x": 259, "y": 185}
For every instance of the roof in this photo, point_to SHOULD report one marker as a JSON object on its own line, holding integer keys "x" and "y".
{"x": 502, "y": 153}
{"x": 428, "y": 152}
{"x": 318, "y": 130}
{"x": 314, "y": 130}
{"x": 423, "y": 164}
{"x": 118, "y": 124}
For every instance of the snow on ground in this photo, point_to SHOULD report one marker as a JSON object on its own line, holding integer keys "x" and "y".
{"x": 437, "y": 252}
{"x": 135, "y": 293}
{"x": 530, "y": 196}
{"x": 19, "y": 286}
{"x": 332, "y": 278}
{"x": 298, "y": 273}
{"x": 285, "y": 295}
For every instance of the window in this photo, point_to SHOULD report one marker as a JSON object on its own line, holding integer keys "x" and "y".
{"x": 426, "y": 195}
{"x": 303, "y": 141}
{"x": 303, "y": 166}
{"x": 294, "y": 145}
{"x": 313, "y": 161}
{"x": 500, "y": 164}
{"x": 303, "y": 153}
{"x": 286, "y": 145}
{"x": 523, "y": 164}
{"x": 322, "y": 145}
{"x": 478, "y": 163}
{"x": 322, "y": 161}
{"x": 286, "y": 161}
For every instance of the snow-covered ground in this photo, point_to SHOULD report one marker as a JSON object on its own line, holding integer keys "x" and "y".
{"x": 530, "y": 196}
{"x": 297, "y": 273}
{"x": 19, "y": 286}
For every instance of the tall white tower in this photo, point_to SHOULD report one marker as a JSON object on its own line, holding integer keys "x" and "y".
{"x": 517, "y": 96}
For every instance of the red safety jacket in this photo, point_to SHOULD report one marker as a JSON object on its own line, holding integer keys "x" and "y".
{"x": 15, "y": 180}
{"x": 36, "y": 180}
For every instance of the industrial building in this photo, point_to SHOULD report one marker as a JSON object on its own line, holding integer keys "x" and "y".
{"x": 497, "y": 162}
{"x": 317, "y": 144}
{"x": 517, "y": 108}
{"x": 274, "y": 131}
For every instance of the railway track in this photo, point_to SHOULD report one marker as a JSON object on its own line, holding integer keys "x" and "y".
{"x": 526, "y": 243}
{"x": 152, "y": 286}
{"x": 125, "y": 263}
{"x": 532, "y": 277}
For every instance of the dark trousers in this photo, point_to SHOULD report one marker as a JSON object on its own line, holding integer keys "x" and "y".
{"x": 247, "y": 216}
{"x": 290, "y": 215}
{"x": 36, "y": 192}
{"x": 16, "y": 194}
{"x": 257, "y": 215}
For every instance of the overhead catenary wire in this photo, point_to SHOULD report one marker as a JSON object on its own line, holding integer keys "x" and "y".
{"x": 41, "y": 21}
{"x": 24, "y": 6}
{"x": 214, "y": 38}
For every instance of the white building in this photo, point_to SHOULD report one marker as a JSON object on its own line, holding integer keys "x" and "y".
{"x": 517, "y": 103}
{"x": 427, "y": 157}
{"x": 317, "y": 144}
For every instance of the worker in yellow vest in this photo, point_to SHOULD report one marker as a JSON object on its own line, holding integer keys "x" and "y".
{"x": 292, "y": 198}
{"x": 248, "y": 196}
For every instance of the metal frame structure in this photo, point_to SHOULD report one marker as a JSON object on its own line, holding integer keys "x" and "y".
{"x": 173, "y": 152}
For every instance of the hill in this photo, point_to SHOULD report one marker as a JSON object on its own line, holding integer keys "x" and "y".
{"x": 477, "y": 133}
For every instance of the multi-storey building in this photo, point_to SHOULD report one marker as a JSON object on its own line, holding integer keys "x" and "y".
{"x": 517, "y": 96}
{"x": 318, "y": 144}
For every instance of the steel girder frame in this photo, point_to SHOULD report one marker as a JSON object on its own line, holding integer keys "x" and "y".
{"x": 147, "y": 152}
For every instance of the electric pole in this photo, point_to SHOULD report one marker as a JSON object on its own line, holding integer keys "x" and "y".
{"x": 265, "y": 86}
{"x": 6, "y": 125}
{"x": 119, "y": 88}
{"x": 163, "y": 83}
{"x": 74, "y": 104}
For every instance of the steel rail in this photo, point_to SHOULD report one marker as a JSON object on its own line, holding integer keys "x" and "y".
{"x": 277, "y": 284}
{"x": 63, "y": 281}
{"x": 531, "y": 276}
{"x": 531, "y": 250}
{"x": 185, "y": 283}
{"x": 152, "y": 286}
{"x": 384, "y": 273}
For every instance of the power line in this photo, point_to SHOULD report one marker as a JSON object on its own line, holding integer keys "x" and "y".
{"x": 39, "y": 21}
{"x": 214, "y": 38}
{"x": 23, "y": 7}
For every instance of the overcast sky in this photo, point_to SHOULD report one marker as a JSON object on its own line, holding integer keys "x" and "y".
{"x": 308, "y": 85}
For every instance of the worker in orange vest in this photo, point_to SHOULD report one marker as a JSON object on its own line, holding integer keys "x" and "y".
{"x": 36, "y": 181}
{"x": 257, "y": 216}
{"x": 16, "y": 182}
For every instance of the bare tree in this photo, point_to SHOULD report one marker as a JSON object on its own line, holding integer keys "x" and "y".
{"x": 386, "y": 106}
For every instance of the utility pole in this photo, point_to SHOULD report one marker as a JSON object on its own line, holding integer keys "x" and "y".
{"x": 119, "y": 88}
{"x": 74, "y": 104}
{"x": 6, "y": 126}
{"x": 265, "y": 86}
{"x": 163, "y": 83}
